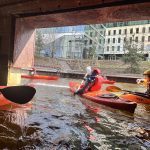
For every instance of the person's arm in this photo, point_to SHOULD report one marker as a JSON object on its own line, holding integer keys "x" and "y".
{"x": 106, "y": 81}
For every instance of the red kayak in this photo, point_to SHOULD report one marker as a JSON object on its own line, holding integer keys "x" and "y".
{"x": 40, "y": 77}
{"x": 106, "y": 98}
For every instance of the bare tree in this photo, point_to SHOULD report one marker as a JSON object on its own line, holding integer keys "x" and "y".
{"x": 51, "y": 42}
{"x": 39, "y": 44}
{"x": 133, "y": 54}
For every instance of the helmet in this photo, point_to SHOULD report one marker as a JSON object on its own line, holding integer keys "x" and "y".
{"x": 88, "y": 69}
{"x": 147, "y": 72}
{"x": 97, "y": 71}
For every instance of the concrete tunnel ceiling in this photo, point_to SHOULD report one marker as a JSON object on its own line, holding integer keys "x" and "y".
{"x": 130, "y": 12}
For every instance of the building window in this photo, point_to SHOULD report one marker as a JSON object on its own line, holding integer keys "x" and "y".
{"x": 100, "y": 41}
{"x": 143, "y": 38}
{"x": 113, "y": 48}
{"x": 119, "y": 40}
{"x": 137, "y": 30}
{"x": 125, "y": 39}
{"x": 108, "y": 40}
{"x": 130, "y": 39}
{"x": 109, "y": 32}
{"x": 118, "y": 48}
{"x": 119, "y": 31}
{"x": 104, "y": 32}
{"x": 125, "y": 31}
{"x": 113, "y": 40}
{"x": 90, "y": 42}
{"x": 149, "y": 29}
{"x": 148, "y": 38}
{"x": 143, "y": 30}
{"x": 91, "y": 34}
{"x": 136, "y": 39}
{"x": 96, "y": 34}
{"x": 101, "y": 32}
{"x": 131, "y": 31}
{"x": 114, "y": 32}
{"x": 85, "y": 42}
{"x": 107, "y": 48}
{"x": 70, "y": 45}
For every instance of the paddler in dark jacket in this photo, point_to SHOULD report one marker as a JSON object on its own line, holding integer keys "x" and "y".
{"x": 93, "y": 82}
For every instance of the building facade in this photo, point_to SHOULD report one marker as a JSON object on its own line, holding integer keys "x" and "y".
{"x": 99, "y": 41}
{"x": 109, "y": 39}
{"x": 116, "y": 37}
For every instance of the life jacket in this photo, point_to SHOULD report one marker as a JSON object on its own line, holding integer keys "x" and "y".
{"x": 97, "y": 84}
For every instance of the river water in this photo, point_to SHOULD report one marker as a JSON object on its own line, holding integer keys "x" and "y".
{"x": 57, "y": 120}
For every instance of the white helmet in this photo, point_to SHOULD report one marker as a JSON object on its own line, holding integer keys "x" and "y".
{"x": 88, "y": 69}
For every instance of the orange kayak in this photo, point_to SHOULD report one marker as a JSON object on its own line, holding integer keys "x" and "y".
{"x": 106, "y": 98}
{"x": 40, "y": 77}
{"x": 137, "y": 98}
{"x": 3, "y": 100}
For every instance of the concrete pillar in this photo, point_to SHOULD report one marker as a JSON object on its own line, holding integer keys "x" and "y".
{"x": 17, "y": 45}
{"x": 5, "y": 46}
{"x": 24, "y": 45}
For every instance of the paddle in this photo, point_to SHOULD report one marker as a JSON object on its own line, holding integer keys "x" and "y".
{"x": 18, "y": 94}
{"x": 117, "y": 89}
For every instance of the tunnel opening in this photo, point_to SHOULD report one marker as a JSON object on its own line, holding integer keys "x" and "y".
{"x": 59, "y": 15}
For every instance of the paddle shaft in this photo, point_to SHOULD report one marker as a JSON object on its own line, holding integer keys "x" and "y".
{"x": 117, "y": 89}
{"x": 137, "y": 93}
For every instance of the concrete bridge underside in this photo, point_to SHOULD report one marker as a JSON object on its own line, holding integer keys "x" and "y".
{"x": 19, "y": 18}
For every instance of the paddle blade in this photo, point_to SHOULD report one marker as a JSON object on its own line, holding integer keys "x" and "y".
{"x": 18, "y": 94}
{"x": 113, "y": 89}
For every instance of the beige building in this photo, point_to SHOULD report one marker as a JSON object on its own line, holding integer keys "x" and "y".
{"x": 115, "y": 38}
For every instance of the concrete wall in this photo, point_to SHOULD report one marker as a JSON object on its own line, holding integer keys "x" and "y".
{"x": 16, "y": 45}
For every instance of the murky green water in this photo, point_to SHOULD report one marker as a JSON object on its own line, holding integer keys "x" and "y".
{"x": 56, "y": 120}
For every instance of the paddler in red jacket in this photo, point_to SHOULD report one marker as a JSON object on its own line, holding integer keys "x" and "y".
{"x": 93, "y": 82}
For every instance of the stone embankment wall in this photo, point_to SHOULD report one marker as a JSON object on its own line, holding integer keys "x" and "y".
{"x": 77, "y": 65}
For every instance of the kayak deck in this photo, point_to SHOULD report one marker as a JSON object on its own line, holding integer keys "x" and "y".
{"x": 40, "y": 77}
{"x": 106, "y": 98}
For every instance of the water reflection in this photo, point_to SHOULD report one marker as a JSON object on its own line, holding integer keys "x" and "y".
{"x": 57, "y": 120}
{"x": 12, "y": 124}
